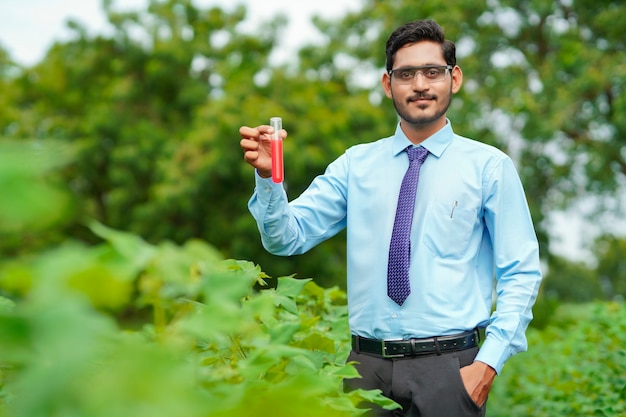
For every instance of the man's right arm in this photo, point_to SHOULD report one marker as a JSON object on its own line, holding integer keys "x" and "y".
{"x": 270, "y": 208}
{"x": 316, "y": 215}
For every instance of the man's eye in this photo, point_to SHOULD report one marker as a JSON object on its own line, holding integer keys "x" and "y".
{"x": 407, "y": 75}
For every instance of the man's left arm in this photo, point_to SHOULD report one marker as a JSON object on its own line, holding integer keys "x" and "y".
{"x": 518, "y": 275}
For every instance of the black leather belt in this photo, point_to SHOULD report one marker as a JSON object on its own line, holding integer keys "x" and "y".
{"x": 414, "y": 347}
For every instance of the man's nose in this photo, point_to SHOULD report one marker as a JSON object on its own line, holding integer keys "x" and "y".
{"x": 419, "y": 81}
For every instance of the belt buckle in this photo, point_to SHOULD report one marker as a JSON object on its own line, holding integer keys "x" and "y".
{"x": 384, "y": 350}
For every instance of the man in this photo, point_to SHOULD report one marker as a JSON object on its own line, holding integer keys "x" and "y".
{"x": 420, "y": 279}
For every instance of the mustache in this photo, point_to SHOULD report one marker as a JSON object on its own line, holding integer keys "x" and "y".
{"x": 421, "y": 96}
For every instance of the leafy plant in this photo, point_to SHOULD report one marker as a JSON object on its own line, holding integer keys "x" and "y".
{"x": 213, "y": 345}
{"x": 576, "y": 366}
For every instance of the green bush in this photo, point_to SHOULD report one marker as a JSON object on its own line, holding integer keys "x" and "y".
{"x": 212, "y": 345}
{"x": 576, "y": 366}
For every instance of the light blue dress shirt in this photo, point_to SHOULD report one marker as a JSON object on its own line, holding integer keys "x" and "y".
{"x": 472, "y": 238}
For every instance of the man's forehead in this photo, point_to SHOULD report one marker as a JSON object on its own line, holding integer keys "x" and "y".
{"x": 419, "y": 54}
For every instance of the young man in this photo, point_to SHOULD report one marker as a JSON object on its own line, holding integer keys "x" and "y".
{"x": 426, "y": 239}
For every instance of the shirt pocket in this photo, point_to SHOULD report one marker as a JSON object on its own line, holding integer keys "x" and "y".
{"x": 448, "y": 228}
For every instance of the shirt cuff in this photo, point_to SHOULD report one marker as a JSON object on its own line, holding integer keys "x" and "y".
{"x": 266, "y": 188}
{"x": 494, "y": 353}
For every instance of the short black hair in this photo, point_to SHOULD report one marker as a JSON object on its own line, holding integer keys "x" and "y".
{"x": 417, "y": 31}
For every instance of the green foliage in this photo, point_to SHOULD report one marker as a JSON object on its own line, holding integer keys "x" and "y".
{"x": 129, "y": 328}
{"x": 602, "y": 279}
{"x": 212, "y": 345}
{"x": 572, "y": 281}
{"x": 25, "y": 193}
{"x": 574, "y": 367}
{"x": 611, "y": 269}
{"x": 34, "y": 204}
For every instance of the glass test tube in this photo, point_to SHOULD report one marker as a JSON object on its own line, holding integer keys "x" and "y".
{"x": 277, "y": 150}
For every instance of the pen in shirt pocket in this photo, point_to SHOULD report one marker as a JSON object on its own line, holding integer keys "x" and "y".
{"x": 456, "y": 203}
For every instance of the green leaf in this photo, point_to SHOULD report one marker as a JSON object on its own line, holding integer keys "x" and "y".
{"x": 317, "y": 341}
{"x": 130, "y": 246}
{"x": 376, "y": 397}
{"x": 347, "y": 371}
{"x": 290, "y": 287}
{"x": 282, "y": 333}
{"x": 6, "y": 305}
{"x": 28, "y": 200}
{"x": 286, "y": 292}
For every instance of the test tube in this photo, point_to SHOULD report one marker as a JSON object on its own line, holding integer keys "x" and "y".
{"x": 277, "y": 150}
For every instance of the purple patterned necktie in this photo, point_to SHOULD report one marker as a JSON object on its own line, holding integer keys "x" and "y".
{"x": 398, "y": 285}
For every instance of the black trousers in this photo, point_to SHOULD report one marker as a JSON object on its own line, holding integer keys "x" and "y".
{"x": 425, "y": 386}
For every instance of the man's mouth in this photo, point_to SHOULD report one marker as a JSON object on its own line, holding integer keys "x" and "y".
{"x": 420, "y": 98}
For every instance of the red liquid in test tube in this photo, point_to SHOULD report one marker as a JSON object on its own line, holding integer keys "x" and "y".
{"x": 277, "y": 150}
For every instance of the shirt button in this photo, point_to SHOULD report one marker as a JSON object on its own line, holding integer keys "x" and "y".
{"x": 394, "y": 315}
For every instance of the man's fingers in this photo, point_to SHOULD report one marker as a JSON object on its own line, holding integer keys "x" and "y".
{"x": 255, "y": 146}
{"x": 249, "y": 145}
{"x": 251, "y": 156}
{"x": 248, "y": 132}
{"x": 254, "y": 132}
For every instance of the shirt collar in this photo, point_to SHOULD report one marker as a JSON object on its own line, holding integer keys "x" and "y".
{"x": 436, "y": 144}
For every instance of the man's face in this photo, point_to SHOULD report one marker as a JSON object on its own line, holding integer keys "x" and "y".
{"x": 422, "y": 102}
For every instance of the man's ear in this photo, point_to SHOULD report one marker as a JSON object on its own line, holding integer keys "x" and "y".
{"x": 457, "y": 79}
{"x": 386, "y": 82}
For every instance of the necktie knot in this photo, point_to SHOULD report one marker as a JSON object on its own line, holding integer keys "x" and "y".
{"x": 418, "y": 153}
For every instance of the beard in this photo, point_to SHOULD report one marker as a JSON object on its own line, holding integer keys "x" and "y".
{"x": 424, "y": 119}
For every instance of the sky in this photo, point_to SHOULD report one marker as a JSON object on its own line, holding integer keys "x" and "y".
{"x": 29, "y": 27}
